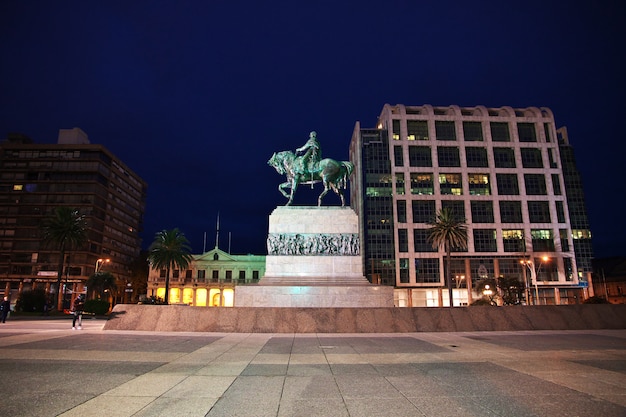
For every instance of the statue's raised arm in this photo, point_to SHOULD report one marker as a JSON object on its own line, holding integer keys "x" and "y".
{"x": 311, "y": 169}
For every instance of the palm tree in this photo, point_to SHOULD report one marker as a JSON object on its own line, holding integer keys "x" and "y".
{"x": 66, "y": 229}
{"x": 169, "y": 250}
{"x": 101, "y": 281}
{"x": 451, "y": 233}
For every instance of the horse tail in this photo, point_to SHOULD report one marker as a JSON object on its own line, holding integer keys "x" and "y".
{"x": 348, "y": 167}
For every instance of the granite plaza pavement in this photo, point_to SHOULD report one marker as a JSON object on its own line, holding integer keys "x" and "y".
{"x": 47, "y": 369}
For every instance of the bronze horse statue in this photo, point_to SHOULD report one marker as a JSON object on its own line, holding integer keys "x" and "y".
{"x": 333, "y": 174}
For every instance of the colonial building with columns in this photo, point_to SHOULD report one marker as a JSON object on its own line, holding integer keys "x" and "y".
{"x": 210, "y": 279}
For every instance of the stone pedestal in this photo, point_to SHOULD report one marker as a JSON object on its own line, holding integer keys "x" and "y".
{"x": 313, "y": 261}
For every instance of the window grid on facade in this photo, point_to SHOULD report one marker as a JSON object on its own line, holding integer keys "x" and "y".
{"x": 526, "y": 132}
{"x": 420, "y": 156}
{"x": 507, "y": 184}
{"x": 500, "y": 132}
{"x": 535, "y": 184}
{"x": 448, "y": 156}
{"x": 564, "y": 235}
{"x": 511, "y": 268}
{"x": 531, "y": 158}
{"x": 423, "y": 211}
{"x": 427, "y": 270}
{"x": 482, "y": 211}
{"x": 539, "y": 212}
{"x": 556, "y": 184}
{"x": 401, "y": 209}
{"x": 560, "y": 212}
{"x": 511, "y": 212}
{"x": 456, "y": 208}
{"x": 420, "y": 241}
{"x": 476, "y": 157}
{"x": 485, "y": 240}
{"x": 398, "y": 156}
{"x": 504, "y": 157}
{"x": 445, "y": 130}
{"x": 473, "y": 131}
{"x": 403, "y": 240}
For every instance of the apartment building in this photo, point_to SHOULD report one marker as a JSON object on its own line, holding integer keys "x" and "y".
{"x": 37, "y": 178}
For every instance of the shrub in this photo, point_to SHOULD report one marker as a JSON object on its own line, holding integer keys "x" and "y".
{"x": 98, "y": 307}
{"x": 483, "y": 302}
{"x": 31, "y": 301}
{"x": 596, "y": 300}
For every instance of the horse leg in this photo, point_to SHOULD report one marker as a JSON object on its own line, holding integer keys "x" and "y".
{"x": 339, "y": 193}
{"x": 319, "y": 199}
{"x": 294, "y": 187}
{"x": 282, "y": 187}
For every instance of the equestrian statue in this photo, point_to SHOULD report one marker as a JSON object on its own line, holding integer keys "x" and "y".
{"x": 310, "y": 168}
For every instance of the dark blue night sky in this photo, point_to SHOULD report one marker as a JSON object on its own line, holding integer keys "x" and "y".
{"x": 195, "y": 96}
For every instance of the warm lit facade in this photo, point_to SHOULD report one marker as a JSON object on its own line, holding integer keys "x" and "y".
{"x": 210, "y": 280}
{"x": 36, "y": 178}
{"x": 505, "y": 170}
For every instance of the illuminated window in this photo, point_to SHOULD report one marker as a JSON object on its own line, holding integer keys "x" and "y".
{"x": 400, "y": 183}
{"x": 581, "y": 234}
{"x": 542, "y": 240}
{"x": 422, "y": 184}
{"x": 450, "y": 184}
{"x": 396, "y": 129}
{"x": 18, "y": 187}
{"x": 417, "y": 129}
{"x": 513, "y": 240}
{"x": 479, "y": 184}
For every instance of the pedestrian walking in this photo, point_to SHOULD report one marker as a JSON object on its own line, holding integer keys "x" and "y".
{"x": 77, "y": 311}
{"x": 5, "y": 307}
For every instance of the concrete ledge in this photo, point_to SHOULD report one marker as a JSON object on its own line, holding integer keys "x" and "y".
{"x": 364, "y": 320}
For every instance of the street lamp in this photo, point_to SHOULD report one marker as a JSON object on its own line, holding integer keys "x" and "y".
{"x": 527, "y": 264}
{"x": 531, "y": 267}
{"x": 100, "y": 262}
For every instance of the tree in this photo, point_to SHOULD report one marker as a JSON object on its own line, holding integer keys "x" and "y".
{"x": 512, "y": 290}
{"x": 450, "y": 233}
{"x": 66, "y": 229}
{"x": 101, "y": 281}
{"x": 169, "y": 250}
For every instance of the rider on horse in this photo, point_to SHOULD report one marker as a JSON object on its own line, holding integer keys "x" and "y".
{"x": 313, "y": 154}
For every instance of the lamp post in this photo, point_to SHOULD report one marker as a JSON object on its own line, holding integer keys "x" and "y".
{"x": 100, "y": 262}
{"x": 531, "y": 267}
{"x": 526, "y": 263}
{"x": 543, "y": 259}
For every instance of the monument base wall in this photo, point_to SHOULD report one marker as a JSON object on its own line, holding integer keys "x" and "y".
{"x": 313, "y": 296}
{"x": 179, "y": 318}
